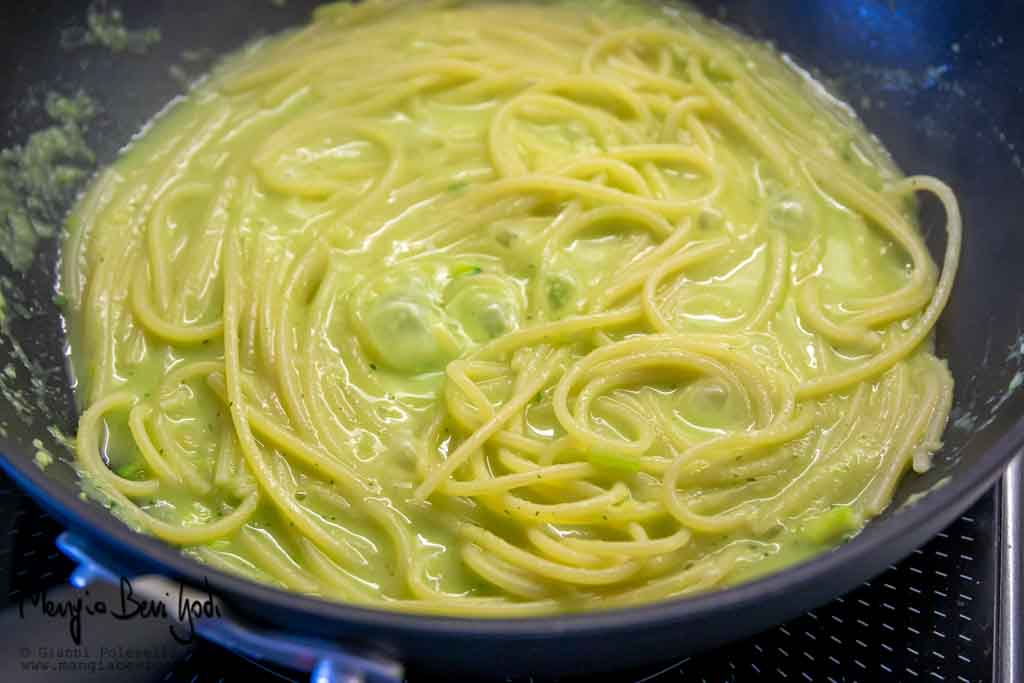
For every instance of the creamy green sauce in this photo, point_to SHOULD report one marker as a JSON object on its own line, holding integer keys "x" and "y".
{"x": 376, "y": 313}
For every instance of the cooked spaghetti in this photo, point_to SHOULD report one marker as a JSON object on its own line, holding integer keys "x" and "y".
{"x": 505, "y": 309}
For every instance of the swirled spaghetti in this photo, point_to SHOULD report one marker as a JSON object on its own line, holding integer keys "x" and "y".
{"x": 504, "y": 309}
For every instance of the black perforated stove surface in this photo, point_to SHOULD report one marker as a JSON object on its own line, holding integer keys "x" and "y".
{"x": 930, "y": 618}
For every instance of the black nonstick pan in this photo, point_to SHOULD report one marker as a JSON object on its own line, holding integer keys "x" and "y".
{"x": 940, "y": 81}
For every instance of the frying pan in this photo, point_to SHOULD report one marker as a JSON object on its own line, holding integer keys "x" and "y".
{"x": 939, "y": 81}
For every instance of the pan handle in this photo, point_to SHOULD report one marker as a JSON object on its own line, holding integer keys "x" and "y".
{"x": 207, "y": 616}
{"x": 1009, "y": 663}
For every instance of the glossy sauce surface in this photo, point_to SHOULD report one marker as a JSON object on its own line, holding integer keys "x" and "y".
{"x": 503, "y": 309}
